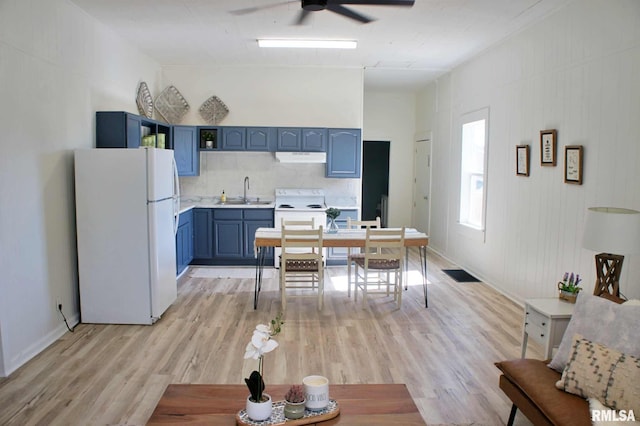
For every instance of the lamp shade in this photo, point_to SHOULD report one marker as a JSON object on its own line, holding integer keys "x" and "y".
{"x": 612, "y": 230}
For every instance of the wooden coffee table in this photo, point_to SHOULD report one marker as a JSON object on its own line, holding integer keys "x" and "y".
{"x": 218, "y": 404}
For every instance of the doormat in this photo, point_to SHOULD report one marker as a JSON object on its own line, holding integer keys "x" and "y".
{"x": 460, "y": 275}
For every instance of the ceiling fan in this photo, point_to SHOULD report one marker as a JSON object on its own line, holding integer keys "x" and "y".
{"x": 336, "y": 6}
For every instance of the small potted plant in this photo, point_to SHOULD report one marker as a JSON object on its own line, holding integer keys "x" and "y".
{"x": 208, "y": 138}
{"x": 569, "y": 288}
{"x": 332, "y": 214}
{"x": 294, "y": 402}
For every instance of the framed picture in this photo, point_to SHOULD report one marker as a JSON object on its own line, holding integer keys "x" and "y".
{"x": 522, "y": 160}
{"x": 548, "y": 147}
{"x": 573, "y": 164}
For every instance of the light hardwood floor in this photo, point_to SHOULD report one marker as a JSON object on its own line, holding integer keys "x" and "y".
{"x": 115, "y": 374}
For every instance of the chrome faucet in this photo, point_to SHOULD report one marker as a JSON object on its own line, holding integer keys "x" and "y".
{"x": 246, "y": 186}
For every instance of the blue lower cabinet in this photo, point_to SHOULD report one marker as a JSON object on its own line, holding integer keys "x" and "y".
{"x": 184, "y": 241}
{"x": 202, "y": 235}
{"x": 227, "y": 241}
{"x": 338, "y": 255}
{"x": 232, "y": 235}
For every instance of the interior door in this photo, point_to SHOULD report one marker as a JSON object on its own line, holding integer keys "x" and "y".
{"x": 422, "y": 184}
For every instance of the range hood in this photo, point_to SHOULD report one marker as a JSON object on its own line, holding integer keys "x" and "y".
{"x": 301, "y": 157}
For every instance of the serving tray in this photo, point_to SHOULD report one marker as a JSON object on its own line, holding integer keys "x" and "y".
{"x": 277, "y": 416}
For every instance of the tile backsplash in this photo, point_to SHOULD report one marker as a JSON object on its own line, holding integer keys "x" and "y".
{"x": 226, "y": 171}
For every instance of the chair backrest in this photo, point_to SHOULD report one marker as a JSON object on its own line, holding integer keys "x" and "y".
{"x": 352, "y": 224}
{"x": 295, "y": 239}
{"x": 384, "y": 244}
{"x": 298, "y": 223}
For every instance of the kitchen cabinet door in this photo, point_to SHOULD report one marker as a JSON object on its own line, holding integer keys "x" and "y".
{"x": 260, "y": 139}
{"x": 202, "y": 233}
{"x": 344, "y": 151}
{"x": 184, "y": 241}
{"x": 289, "y": 139}
{"x": 233, "y": 138}
{"x": 185, "y": 150}
{"x": 228, "y": 237}
{"x": 314, "y": 140}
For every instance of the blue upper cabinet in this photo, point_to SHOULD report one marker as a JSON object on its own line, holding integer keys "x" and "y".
{"x": 119, "y": 129}
{"x": 289, "y": 139}
{"x": 247, "y": 139}
{"x": 305, "y": 139}
{"x": 260, "y": 139}
{"x": 234, "y": 138}
{"x": 185, "y": 150}
{"x": 314, "y": 140}
{"x": 344, "y": 151}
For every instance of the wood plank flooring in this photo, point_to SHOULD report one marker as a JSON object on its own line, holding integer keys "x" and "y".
{"x": 115, "y": 374}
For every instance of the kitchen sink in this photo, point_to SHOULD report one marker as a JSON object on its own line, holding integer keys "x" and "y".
{"x": 238, "y": 202}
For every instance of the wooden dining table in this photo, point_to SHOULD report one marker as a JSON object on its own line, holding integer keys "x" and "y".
{"x": 217, "y": 405}
{"x": 266, "y": 238}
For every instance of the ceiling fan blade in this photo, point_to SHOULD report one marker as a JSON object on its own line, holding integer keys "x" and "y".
{"x": 337, "y": 8}
{"x": 375, "y": 2}
{"x": 248, "y": 10}
{"x": 302, "y": 17}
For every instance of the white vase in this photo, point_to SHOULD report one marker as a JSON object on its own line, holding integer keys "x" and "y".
{"x": 259, "y": 411}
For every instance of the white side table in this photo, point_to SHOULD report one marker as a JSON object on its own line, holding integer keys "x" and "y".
{"x": 545, "y": 321}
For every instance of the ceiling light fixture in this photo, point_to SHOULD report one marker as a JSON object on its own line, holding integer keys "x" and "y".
{"x": 309, "y": 44}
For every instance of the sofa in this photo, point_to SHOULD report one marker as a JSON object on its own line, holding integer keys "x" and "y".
{"x": 533, "y": 385}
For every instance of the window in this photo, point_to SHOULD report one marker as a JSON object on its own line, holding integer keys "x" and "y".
{"x": 473, "y": 160}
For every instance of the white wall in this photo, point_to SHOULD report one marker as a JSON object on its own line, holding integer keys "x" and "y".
{"x": 273, "y": 96}
{"x": 577, "y": 71}
{"x": 311, "y": 97}
{"x": 57, "y": 67}
{"x": 390, "y": 116}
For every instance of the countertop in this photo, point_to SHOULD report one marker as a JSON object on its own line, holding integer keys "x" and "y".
{"x": 342, "y": 203}
{"x": 189, "y": 202}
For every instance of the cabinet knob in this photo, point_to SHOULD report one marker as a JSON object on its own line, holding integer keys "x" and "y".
{"x": 544, "y": 323}
{"x": 526, "y": 323}
{"x": 542, "y": 335}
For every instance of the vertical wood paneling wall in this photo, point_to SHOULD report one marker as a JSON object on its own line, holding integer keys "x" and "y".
{"x": 577, "y": 71}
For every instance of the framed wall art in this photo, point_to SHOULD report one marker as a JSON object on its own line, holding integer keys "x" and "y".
{"x": 522, "y": 160}
{"x": 573, "y": 164}
{"x": 548, "y": 147}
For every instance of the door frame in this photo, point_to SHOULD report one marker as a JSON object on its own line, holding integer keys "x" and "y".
{"x": 422, "y": 138}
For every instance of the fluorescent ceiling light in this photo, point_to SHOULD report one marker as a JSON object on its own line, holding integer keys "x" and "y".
{"x": 310, "y": 44}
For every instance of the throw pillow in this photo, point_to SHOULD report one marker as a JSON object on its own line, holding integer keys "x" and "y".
{"x": 596, "y": 371}
{"x": 601, "y": 321}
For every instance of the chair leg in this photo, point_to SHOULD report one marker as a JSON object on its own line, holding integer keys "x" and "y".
{"x": 348, "y": 277}
{"x": 283, "y": 289}
{"x": 512, "y": 415}
{"x": 320, "y": 290}
{"x": 398, "y": 287}
{"x": 355, "y": 278}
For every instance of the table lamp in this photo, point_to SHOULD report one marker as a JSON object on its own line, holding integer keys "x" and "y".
{"x": 611, "y": 230}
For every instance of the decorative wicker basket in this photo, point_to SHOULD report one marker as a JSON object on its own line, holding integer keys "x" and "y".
{"x": 569, "y": 297}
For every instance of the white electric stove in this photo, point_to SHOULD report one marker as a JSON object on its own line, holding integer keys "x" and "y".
{"x": 299, "y": 204}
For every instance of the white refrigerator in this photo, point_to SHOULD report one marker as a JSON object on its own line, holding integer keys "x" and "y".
{"x": 127, "y": 205}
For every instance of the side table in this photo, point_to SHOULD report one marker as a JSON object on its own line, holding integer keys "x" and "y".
{"x": 545, "y": 321}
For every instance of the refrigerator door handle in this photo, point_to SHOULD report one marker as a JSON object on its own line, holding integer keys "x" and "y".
{"x": 176, "y": 197}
